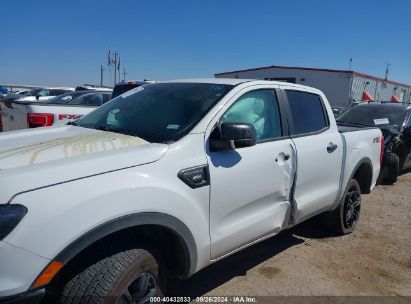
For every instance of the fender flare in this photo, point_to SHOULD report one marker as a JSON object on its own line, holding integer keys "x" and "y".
{"x": 129, "y": 221}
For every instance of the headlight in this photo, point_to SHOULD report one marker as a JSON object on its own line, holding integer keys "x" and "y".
{"x": 10, "y": 216}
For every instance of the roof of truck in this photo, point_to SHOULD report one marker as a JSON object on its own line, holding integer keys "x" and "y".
{"x": 234, "y": 81}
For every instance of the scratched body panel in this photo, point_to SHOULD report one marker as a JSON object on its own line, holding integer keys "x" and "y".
{"x": 91, "y": 141}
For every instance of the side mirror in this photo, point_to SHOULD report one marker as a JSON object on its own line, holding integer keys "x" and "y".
{"x": 233, "y": 135}
{"x": 37, "y": 96}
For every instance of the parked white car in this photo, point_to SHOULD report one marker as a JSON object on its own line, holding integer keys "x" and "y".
{"x": 169, "y": 178}
{"x": 38, "y": 94}
{"x": 91, "y": 87}
{"x": 56, "y": 111}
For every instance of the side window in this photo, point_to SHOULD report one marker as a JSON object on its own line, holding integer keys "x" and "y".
{"x": 91, "y": 99}
{"x": 307, "y": 112}
{"x": 44, "y": 92}
{"x": 57, "y": 92}
{"x": 94, "y": 100}
{"x": 259, "y": 108}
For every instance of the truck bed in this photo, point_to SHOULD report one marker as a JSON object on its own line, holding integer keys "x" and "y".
{"x": 351, "y": 128}
{"x": 14, "y": 114}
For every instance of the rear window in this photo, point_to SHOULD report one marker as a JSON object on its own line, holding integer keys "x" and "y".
{"x": 307, "y": 112}
{"x": 374, "y": 115}
{"x": 65, "y": 98}
{"x": 91, "y": 99}
{"x": 122, "y": 88}
{"x": 57, "y": 92}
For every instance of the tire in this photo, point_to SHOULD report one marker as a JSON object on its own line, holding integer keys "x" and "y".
{"x": 132, "y": 274}
{"x": 344, "y": 219}
{"x": 392, "y": 163}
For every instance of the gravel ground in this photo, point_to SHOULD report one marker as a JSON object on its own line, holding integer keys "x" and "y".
{"x": 375, "y": 260}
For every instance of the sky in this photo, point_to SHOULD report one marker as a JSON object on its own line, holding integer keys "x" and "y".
{"x": 53, "y": 42}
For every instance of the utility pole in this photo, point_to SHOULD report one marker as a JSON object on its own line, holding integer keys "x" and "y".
{"x": 109, "y": 69}
{"x": 349, "y": 65}
{"x": 101, "y": 74}
{"x": 109, "y": 62}
{"x": 124, "y": 73}
{"x": 387, "y": 71}
{"x": 115, "y": 68}
{"x": 119, "y": 69}
{"x": 116, "y": 63}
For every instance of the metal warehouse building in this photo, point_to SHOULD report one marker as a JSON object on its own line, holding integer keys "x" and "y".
{"x": 340, "y": 86}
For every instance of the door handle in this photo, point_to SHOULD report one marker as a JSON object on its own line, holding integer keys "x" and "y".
{"x": 283, "y": 157}
{"x": 331, "y": 147}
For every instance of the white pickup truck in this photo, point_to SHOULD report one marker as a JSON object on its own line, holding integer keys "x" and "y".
{"x": 21, "y": 114}
{"x": 167, "y": 179}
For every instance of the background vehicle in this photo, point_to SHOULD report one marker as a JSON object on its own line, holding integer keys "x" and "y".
{"x": 395, "y": 123}
{"x": 39, "y": 94}
{"x": 3, "y": 92}
{"x": 92, "y": 87}
{"x": 127, "y": 85}
{"x": 169, "y": 178}
{"x": 338, "y": 110}
{"x": 59, "y": 110}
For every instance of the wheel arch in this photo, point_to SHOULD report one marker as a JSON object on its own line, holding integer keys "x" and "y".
{"x": 131, "y": 223}
{"x": 363, "y": 174}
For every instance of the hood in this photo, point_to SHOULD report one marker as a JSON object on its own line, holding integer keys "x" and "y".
{"x": 36, "y": 146}
{"x": 39, "y": 157}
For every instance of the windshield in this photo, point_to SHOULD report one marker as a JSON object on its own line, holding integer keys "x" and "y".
{"x": 161, "y": 112}
{"x": 66, "y": 98}
{"x": 374, "y": 115}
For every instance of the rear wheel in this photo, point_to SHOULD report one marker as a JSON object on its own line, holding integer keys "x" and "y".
{"x": 131, "y": 276}
{"x": 344, "y": 219}
{"x": 392, "y": 163}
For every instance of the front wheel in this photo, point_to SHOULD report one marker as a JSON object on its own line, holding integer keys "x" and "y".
{"x": 344, "y": 219}
{"x": 127, "y": 277}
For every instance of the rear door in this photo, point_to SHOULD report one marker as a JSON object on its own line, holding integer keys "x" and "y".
{"x": 250, "y": 186}
{"x": 319, "y": 153}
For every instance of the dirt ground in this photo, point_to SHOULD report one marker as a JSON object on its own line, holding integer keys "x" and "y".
{"x": 374, "y": 260}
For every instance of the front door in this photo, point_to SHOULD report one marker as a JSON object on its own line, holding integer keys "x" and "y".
{"x": 250, "y": 186}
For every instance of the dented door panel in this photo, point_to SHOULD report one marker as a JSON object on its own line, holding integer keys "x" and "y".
{"x": 250, "y": 193}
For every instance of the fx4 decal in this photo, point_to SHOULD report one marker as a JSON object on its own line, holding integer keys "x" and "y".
{"x": 70, "y": 116}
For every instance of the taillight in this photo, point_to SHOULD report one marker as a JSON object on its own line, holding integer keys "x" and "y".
{"x": 382, "y": 148}
{"x": 35, "y": 120}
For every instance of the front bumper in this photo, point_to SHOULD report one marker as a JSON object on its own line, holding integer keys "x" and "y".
{"x": 18, "y": 269}
{"x": 28, "y": 297}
